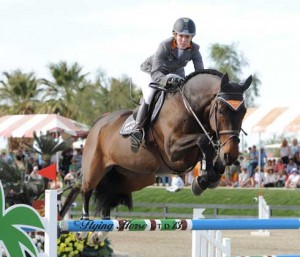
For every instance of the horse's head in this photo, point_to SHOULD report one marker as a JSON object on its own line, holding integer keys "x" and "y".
{"x": 226, "y": 117}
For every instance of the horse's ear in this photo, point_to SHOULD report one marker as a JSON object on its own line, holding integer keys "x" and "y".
{"x": 247, "y": 83}
{"x": 225, "y": 80}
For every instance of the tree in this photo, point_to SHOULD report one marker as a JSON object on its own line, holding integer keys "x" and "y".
{"x": 119, "y": 95}
{"x": 60, "y": 94}
{"x": 227, "y": 59}
{"x": 19, "y": 92}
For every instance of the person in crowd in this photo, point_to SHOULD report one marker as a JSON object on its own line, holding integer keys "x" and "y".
{"x": 293, "y": 179}
{"x": 285, "y": 151}
{"x": 296, "y": 157}
{"x": 295, "y": 147}
{"x": 77, "y": 157}
{"x": 231, "y": 175}
{"x": 270, "y": 178}
{"x": 244, "y": 180}
{"x": 166, "y": 180}
{"x": 263, "y": 157}
{"x": 269, "y": 165}
{"x": 282, "y": 177}
{"x": 291, "y": 165}
{"x": 279, "y": 165}
{"x": 67, "y": 156}
{"x": 243, "y": 161}
{"x": 70, "y": 177}
{"x": 34, "y": 175}
{"x": 166, "y": 67}
{"x": 253, "y": 161}
{"x": 177, "y": 184}
{"x": 258, "y": 178}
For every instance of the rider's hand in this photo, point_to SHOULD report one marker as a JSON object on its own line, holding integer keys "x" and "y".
{"x": 174, "y": 80}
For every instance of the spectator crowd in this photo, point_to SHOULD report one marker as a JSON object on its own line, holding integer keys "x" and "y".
{"x": 254, "y": 169}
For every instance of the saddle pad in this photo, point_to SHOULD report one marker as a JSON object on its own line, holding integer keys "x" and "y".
{"x": 127, "y": 126}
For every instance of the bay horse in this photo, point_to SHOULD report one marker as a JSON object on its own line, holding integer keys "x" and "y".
{"x": 199, "y": 120}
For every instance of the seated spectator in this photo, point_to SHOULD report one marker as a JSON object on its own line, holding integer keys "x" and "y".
{"x": 293, "y": 179}
{"x": 70, "y": 177}
{"x": 177, "y": 184}
{"x": 291, "y": 165}
{"x": 244, "y": 181}
{"x": 34, "y": 175}
{"x": 270, "y": 178}
{"x": 235, "y": 170}
{"x": 282, "y": 177}
{"x": 279, "y": 166}
{"x": 269, "y": 165}
{"x": 257, "y": 179}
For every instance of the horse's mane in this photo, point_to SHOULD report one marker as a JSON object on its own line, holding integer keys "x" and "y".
{"x": 204, "y": 71}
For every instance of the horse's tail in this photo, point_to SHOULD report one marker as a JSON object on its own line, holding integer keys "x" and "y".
{"x": 108, "y": 193}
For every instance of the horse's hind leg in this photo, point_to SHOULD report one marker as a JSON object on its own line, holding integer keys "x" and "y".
{"x": 86, "y": 196}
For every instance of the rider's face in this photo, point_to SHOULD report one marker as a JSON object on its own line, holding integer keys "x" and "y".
{"x": 183, "y": 41}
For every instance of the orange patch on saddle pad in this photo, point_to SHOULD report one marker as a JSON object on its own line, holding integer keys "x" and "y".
{"x": 235, "y": 104}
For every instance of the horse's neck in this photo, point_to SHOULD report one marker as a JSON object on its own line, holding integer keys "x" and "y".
{"x": 200, "y": 97}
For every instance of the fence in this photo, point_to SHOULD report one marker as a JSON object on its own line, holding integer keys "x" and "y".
{"x": 164, "y": 210}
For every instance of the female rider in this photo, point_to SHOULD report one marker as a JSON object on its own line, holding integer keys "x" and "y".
{"x": 166, "y": 67}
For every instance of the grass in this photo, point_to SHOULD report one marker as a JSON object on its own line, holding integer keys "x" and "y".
{"x": 274, "y": 196}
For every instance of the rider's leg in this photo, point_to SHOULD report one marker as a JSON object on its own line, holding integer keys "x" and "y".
{"x": 138, "y": 131}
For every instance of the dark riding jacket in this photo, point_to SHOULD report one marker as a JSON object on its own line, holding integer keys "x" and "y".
{"x": 169, "y": 59}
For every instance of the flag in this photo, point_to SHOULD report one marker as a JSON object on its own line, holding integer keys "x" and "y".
{"x": 49, "y": 172}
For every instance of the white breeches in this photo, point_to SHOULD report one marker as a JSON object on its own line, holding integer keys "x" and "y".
{"x": 148, "y": 91}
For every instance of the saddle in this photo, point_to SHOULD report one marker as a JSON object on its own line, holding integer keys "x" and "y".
{"x": 155, "y": 107}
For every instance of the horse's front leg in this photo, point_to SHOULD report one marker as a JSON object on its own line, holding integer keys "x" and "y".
{"x": 211, "y": 174}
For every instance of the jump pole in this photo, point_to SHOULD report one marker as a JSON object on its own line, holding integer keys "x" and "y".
{"x": 177, "y": 224}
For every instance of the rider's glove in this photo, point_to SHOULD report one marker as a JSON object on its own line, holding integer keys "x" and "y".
{"x": 174, "y": 80}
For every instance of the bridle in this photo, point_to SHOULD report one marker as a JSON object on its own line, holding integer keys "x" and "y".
{"x": 222, "y": 97}
{"x": 215, "y": 142}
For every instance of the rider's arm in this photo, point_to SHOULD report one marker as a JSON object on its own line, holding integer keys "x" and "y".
{"x": 158, "y": 74}
{"x": 197, "y": 58}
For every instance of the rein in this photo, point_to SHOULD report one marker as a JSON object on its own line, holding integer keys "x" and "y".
{"x": 190, "y": 110}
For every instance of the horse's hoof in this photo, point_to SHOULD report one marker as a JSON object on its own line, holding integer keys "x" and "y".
{"x": 85, "y": 217}
{"x": 196, "y": 189}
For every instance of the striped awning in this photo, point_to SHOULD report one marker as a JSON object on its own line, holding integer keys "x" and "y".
{"x": 24, "y": 125}
{"x": 276, "y": 120}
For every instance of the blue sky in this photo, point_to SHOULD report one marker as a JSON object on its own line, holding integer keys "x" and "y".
{"x": 117, "y": 36}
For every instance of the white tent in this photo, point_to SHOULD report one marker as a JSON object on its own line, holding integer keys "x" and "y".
{"x": 24, "y": 125}
{"x": 267, "y": 122}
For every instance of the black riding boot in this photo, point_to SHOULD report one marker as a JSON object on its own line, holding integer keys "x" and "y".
{"x": 138, "y": 131}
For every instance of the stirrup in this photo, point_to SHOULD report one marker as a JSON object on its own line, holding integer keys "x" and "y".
{"x": 137, "y": 137}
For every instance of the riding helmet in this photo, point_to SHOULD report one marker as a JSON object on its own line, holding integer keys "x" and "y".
{"x": 184, "y": 26}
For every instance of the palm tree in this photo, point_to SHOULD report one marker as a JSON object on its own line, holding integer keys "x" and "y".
{"x": 46, "y": 145}
{"x": 19, "y": 92}
{"x": 61, "y": 93}
{"x": 13, "y": 221}
{"x": 227, "y": 59}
